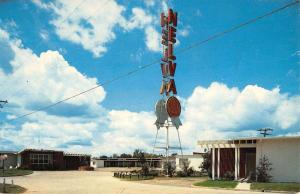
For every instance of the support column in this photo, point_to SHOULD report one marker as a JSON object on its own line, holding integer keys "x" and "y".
{"x": 238, "y": 162}
{"x": 218, "y": 164}
{"x": 213, "y": 164}
{"x": 235, "y": 164}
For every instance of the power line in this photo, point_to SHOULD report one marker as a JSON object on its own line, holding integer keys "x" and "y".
{"x": 196, "y": 44}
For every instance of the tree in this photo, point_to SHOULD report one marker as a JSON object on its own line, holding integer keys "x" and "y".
{"x": 186, "y": 169}
{"x": 206, "y": 164}
{"x": 169, "y": 169}
{"x": 141, "y": 156}
{"x": 263, "y": 170}
{"x": 124, "y": 155}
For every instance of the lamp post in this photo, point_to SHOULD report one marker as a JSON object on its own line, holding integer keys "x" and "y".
{"x": 3, "y": 158}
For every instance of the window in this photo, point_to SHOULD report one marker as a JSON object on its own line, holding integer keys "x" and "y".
{"x": 40, "y": 159}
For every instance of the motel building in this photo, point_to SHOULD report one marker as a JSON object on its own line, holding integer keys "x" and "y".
{"x": 241, "y": 157}
{"x": 124, "y": 162}
{"x": 39, "y": 159}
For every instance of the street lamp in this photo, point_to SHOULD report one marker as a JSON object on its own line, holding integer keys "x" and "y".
{"x": 3, "y": 158}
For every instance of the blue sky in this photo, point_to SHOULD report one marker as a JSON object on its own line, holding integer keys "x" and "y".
{"x": 250, "y": 74}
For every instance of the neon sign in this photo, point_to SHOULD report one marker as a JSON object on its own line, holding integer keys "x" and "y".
{"x": 169, "y": 108}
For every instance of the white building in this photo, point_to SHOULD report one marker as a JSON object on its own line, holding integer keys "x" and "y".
{"x": 194, "y": 161}
{"x": 124, "y": 162}
{"x": 241, "y": 156}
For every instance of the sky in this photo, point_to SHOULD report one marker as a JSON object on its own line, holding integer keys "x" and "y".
{"x": 228, "y": 87}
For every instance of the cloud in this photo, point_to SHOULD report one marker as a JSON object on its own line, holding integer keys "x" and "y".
{"x": 92, "y": 23}
{"x": 46, "y": 78}
{"x": 153, "y": 39}
{"x": 39, "y": 80}
{"x": 149, "y": 3}
{"x": 184, "y": 32}
{"x": 44, "y": 35}
{"x": 139, "y": 19}
{"x": 215, "y": 112}
{"x": 83, "y": 125}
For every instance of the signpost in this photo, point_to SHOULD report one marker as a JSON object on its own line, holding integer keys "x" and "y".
{"x": 168, "y": 108}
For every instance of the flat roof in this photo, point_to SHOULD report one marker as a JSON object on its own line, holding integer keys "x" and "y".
{"x": 72, "y": 154}
{"x": 124, "y": 159}
{"x": 189, "y": 156}
{"x": 243, "y": 140}
{"x": 40, "y": 150}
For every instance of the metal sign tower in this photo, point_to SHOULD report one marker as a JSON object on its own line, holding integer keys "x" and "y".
{"x": 168, "y": 108}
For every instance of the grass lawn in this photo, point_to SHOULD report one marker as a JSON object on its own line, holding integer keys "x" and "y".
{"x": 15, "y": 172}
{"x": 12, "y": 188}
{"x": 135, "y": 178}
{"x": 219, "y": 184}
{"x": 276, "y": 186}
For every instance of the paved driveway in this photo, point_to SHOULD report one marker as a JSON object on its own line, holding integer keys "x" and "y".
{"x": 95, "y": 182}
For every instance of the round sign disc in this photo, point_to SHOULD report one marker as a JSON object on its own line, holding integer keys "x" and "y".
{"x": 173, "y": 106}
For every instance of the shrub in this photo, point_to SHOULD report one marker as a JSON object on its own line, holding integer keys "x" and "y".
{"x": 169, "y": 169}
{"x": 263, "y": 170}
{"x": 229, "y": 175}
{"x": 206, "y": 164}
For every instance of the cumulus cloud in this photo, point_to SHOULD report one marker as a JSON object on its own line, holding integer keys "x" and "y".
{"x": 82, "y": 124}
{"x": 91, "y": 23}
{"x": 215, "y": 112}
{"x": 36, "y": 81}
{"x": 153, "y": 39}
{"x": 139, "y": 19}
{"x": 46, "y": 78}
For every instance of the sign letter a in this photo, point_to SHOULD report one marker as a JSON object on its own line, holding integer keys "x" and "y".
{"x": 171, "y": 87}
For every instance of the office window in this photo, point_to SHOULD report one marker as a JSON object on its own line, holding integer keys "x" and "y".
{"x": 40, "y": 159}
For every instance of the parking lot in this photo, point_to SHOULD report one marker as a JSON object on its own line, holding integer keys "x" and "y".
{"x": 100, "y": 182}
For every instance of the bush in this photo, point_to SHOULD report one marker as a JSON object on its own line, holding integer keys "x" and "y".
{"x": 169, "y": 169}
{"x": 154, "y": 173}
{"x": 206, "y": 164}
{"x": 145, "y": 169}
{"x": 263, "y": 170}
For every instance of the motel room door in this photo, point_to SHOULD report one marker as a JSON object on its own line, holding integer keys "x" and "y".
{"x": 250, "y": 164}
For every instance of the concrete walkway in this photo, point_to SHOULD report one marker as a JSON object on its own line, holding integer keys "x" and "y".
{"x": 243, "y": 186}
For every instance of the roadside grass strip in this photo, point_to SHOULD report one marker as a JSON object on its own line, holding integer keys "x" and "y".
{"x": 15, "y": 172}
{"x": 276, "y": 186}
{"x": 9, "y": 188}
{"x": 217, "y": 184}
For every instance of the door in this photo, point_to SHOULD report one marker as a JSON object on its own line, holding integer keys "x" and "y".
{"x": 250, "y": 164}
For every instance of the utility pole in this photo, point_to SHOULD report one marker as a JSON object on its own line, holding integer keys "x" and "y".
{"x": 265, "y": 131}
{"x": 2, "y": 102}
